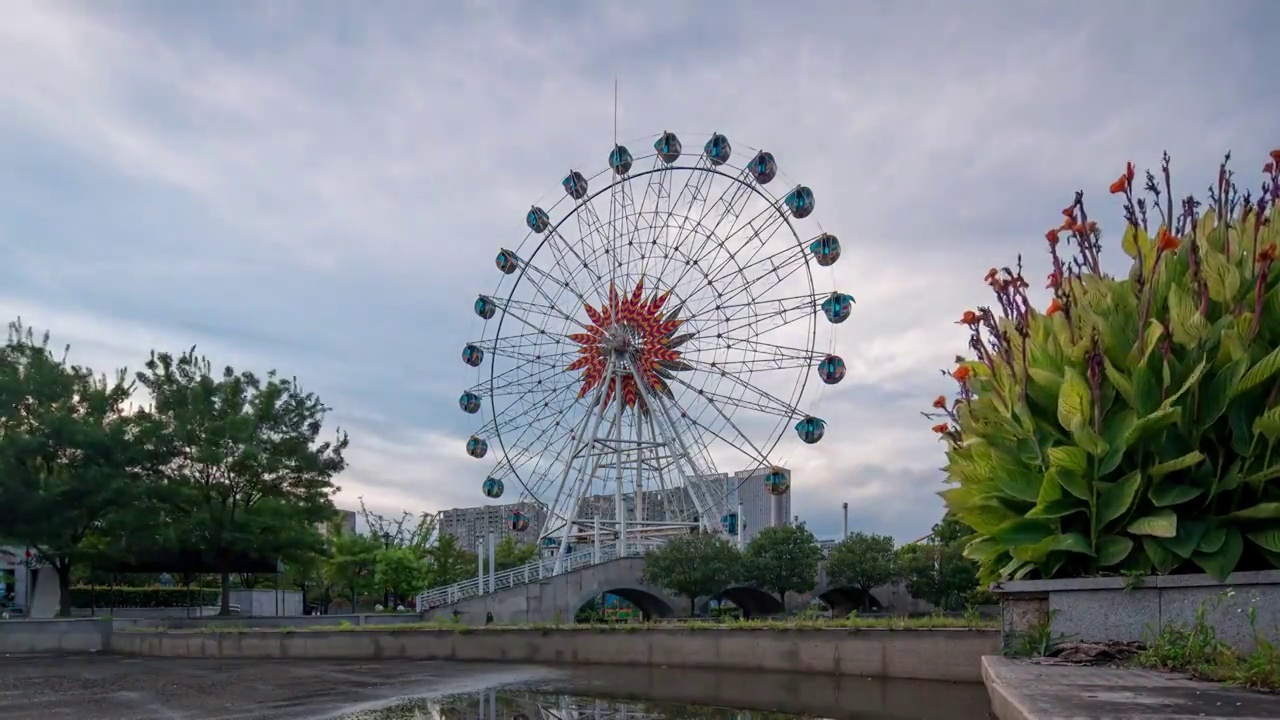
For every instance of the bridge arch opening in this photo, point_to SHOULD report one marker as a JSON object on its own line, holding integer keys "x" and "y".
{"x": 845, "y": 600}
{"x": 622, "y": 604}
{"x": 751, "y": 602}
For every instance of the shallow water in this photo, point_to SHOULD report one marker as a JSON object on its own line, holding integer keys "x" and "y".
{"x": 662, "y": 694}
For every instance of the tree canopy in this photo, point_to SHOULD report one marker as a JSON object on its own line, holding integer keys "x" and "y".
{"x": 937, "y": 571}
{"x": 864, "y": 561}
{"x": 782, "y": 559}
{"x": 242, "y": 467}
{"x": 693, "y": 566}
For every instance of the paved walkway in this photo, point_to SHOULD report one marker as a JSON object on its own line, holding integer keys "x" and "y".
{"x": 1022, "y": 690}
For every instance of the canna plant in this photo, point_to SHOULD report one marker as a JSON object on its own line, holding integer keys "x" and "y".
{"x": 1134, "y": 426}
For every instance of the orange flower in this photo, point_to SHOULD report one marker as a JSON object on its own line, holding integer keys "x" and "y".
{"x": 1275, "y": 155}
{"x": 1166, "y": 241}
{"x": 1054, "y": 281}
{"x": 941, "y": 428}
{"x": 1268, "y": 254}
{"x": 1069, "y": 212}
{"x": 1054, "y": 307}
{"x": 1091, "y": 227}
{"x": 1120, "y": 185}
{"x": 1052, "y": 237}
{"x": 961, "y": 374}
{"x": 969, "y": 318}
{"x": 941, "y": 402}
{"x": 991, "y": 275}
{"x": 1269, "y": 168}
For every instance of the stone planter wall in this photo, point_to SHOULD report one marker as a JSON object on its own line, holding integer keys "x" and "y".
{"x": 1135, "y": 609}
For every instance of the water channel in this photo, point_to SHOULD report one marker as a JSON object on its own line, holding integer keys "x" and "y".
{"x": 106, "y": 687}
{"x": 610, "y": 693}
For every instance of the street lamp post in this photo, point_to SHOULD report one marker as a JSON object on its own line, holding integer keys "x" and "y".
{"x": 386, "y": 592}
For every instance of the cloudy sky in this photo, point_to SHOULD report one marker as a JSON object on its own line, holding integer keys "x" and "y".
{"x": 320, "y": 187}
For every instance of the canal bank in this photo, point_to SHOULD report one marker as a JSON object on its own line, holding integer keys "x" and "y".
{"x": 952, "y": 655}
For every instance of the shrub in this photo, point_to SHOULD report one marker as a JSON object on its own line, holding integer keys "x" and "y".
{"x": 1132, "y": 426}
{"x": 144, "y": 597}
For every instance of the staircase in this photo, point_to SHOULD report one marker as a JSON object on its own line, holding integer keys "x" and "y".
{"x": 540, "y": 569}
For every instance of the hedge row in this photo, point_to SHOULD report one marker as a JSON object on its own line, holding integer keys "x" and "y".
{"x": 144, "y": 597}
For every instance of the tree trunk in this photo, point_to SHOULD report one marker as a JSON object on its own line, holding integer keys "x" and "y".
{"x": 64, "y": 588}
{"x": 693, "y": 606}
{"x": 782, "y": 597}
{"x": 225, "y": 607}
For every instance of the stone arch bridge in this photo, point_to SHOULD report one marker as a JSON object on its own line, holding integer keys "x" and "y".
{"x": 558, "y": 598}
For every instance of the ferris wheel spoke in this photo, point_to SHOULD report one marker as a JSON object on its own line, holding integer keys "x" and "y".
{"x": 770, "y": 315}
{"x": 751, "y": 451}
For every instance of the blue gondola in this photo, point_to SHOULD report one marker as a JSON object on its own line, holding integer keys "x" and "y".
{"x": 492, "y": 487}
{"x": 472, "y": 355}
{"x": 825, "y": 249}
{"x": 668, "y": 147}
{"x": 486, "y": 307}
{"x": 620, "y": 160}
{"x": 718, "y": 149}
{"x": 518, "y": 521}
{"x": 831, "y": 369}
{"x": 800, "y": 202}
{"x": 777, "y": 481}
{"x": 575, "y": 185}
{"x": 469, "y": 402}
{"x": 837, "y": 307}
{"x": 763, "y": 167}
{"x": 506, "y": 261}
{"x": 477, "y": 446}
{"x": 811, "y": 429}
{"x": 537, "y": 219}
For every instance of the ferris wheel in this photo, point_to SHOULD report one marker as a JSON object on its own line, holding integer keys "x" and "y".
{"x": 657, "y": 325}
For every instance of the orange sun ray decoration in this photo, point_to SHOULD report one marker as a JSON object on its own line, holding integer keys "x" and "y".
{"x": 650, "y": 334}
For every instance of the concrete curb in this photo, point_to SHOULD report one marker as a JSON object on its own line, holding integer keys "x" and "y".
{"x": 1004, "y": 702}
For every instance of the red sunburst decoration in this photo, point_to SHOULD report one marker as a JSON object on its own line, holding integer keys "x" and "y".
{"x": 651, "y": 337}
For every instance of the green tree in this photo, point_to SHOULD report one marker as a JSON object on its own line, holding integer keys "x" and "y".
{"x": 864, "y": 561}
{"x": 245, "y": 473}
{"x": 352, "y": 565}
{"x": 69, "y": 456}
{"x": 511, "y": 553}
{"x": 1131, "y": 426}
{"x": 936, "y": 570}
{"x": 782, "y": 559}
{"x": 695, "y": 565}
{"x": 408, "y": 530}
{"x": 402, "y": 571}
{"x": 448, "y": 562}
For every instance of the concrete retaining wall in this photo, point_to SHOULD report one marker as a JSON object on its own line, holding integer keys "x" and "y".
{"x": 948, "y": 655}
{"x": 1135, "y": 609}
{"x": 241, "y": 622}
{"x": 52, "y": 636}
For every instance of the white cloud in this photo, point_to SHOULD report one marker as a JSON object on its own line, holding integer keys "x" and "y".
{"x": 323, "y": 192}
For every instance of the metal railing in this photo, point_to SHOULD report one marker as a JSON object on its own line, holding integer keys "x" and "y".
{"x": 540, "y": 569}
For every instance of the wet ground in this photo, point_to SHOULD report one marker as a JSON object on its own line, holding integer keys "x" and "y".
{"x": 118, "y": 688}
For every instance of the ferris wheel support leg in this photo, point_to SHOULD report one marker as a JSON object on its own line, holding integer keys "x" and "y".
{"x": 662, "y": 475}
{"x": 639, "y": 484}
{"x": 621, "y": 508}
{"x": 694, "y": 479}
{"x": 580, "y": 486}
{"x": 578, "y": 444}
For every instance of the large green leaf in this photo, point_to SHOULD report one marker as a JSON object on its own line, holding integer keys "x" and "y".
{"x": 1073, "y": 483}
{"x": 1259, "y": 373}
{"x": 1212, "y": 539}
{"x": 1187, "y": 384}
{"x": 1116, "y": 498}
{"x": 1069, "y": 459}
{"x": 1261, "y": 511}
{"x": 982, "y": 549}
{"x": 1022, "y": 531}
{"x": 1073, "y": 399}
{"x": 1216, "y": 393}
{"x": 1112, "y": 549}
{"x": 1268, "y": 424}
{"x": 1146, "y": 391}
{"x": 1168, "y": 494}
{"x": 1264, "y": 476}
{"x": 1038, "y": 552}
{"x": 1220, "y": 275}
{"x": 1187, "y": 539}
{"x": 1189, "y": 326}
{"x": 1269, "y": 539}
{"x": 1182, "y": 463}
{"x": 1150, "y": 424}
{"x": 985, "y": 517}
{"x": 1164, "y": 559}
{"x": 1222, "y": 562}
{"x": 1161, "y": 524}
{"x": 1053, "y": 501}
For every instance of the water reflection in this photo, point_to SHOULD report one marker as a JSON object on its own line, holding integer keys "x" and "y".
{"x": 606, "y": 693}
